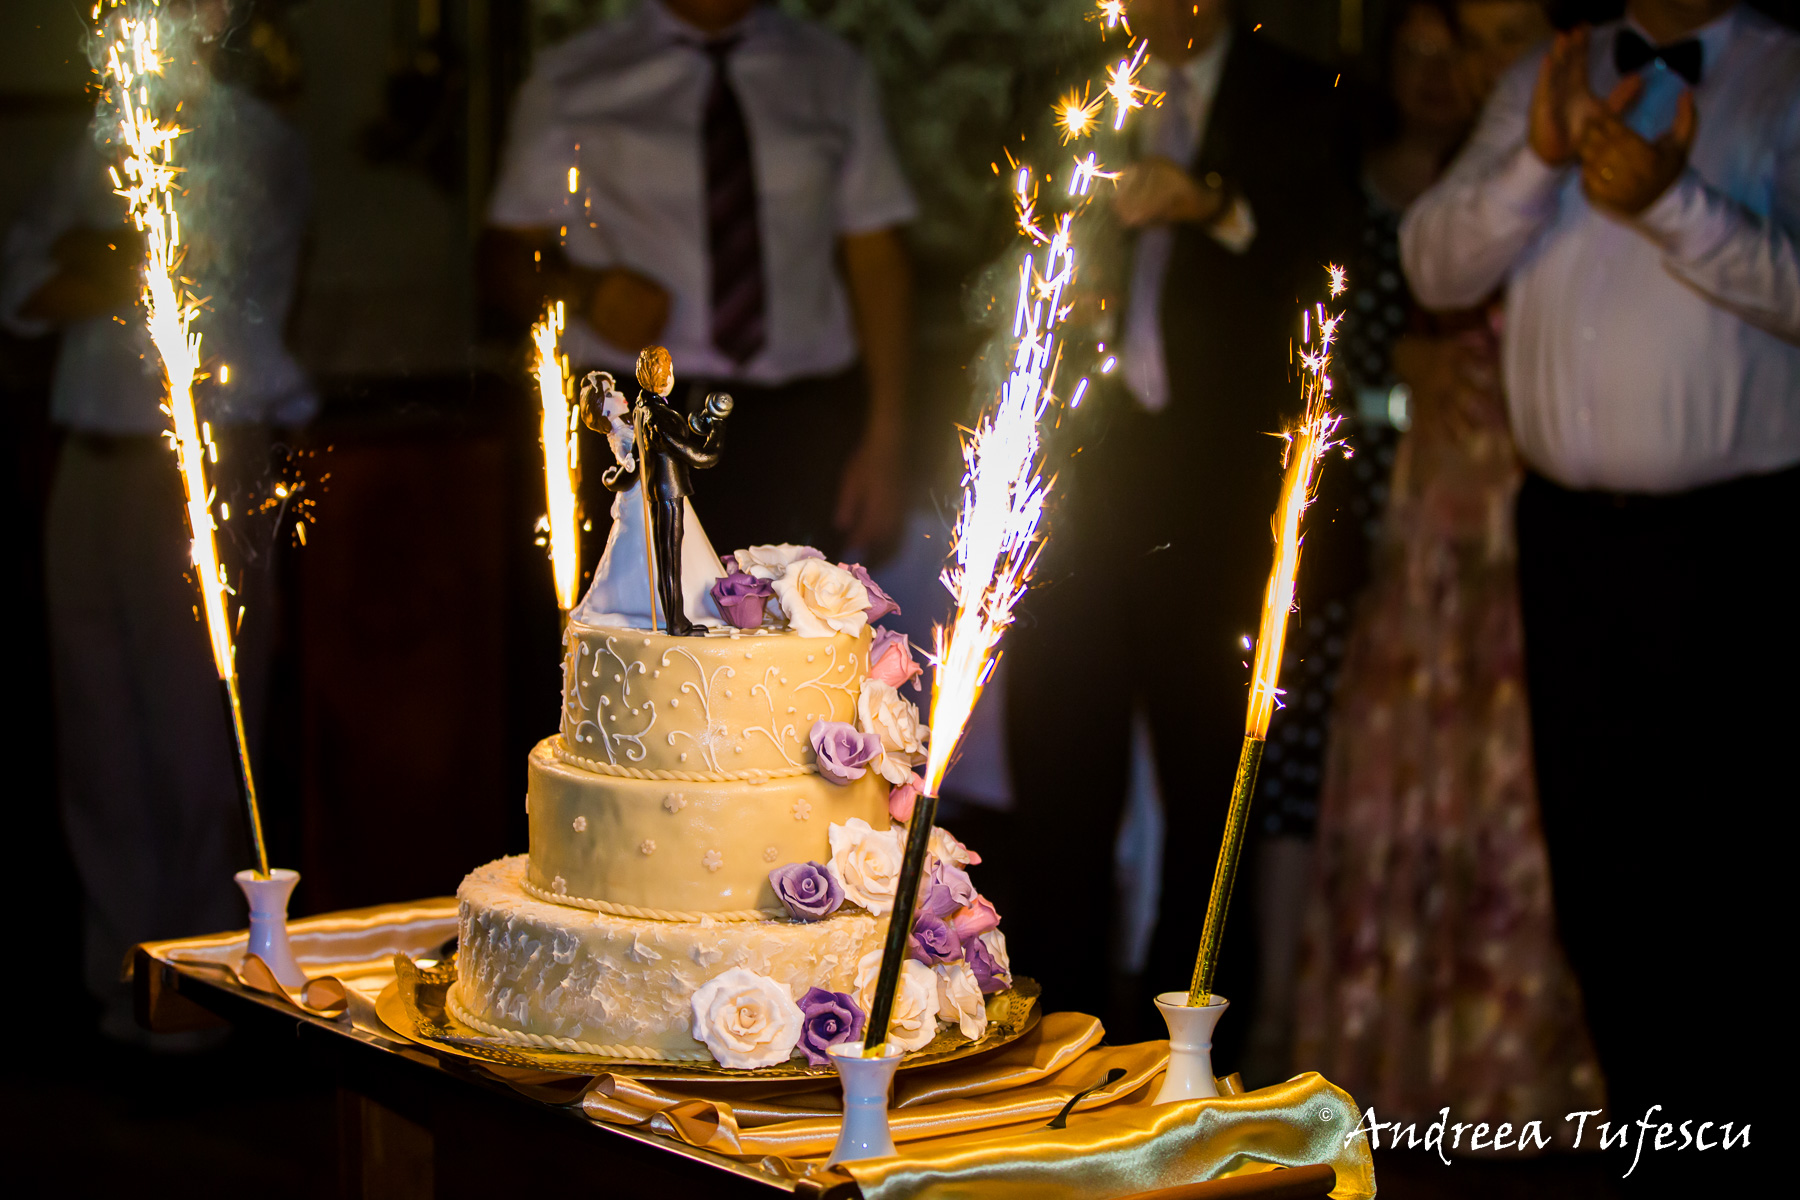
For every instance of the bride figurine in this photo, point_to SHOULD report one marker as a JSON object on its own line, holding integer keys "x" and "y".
{"x": 632, "y": 586}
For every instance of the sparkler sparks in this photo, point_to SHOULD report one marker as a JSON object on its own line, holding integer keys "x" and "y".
{"x": 1077, "y": 116}
{"x": 1124, "y": 89}
{"x": 147, "y": 183}
{"x": 562, "y": 522}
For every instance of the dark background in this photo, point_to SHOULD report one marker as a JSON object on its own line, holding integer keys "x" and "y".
{"x": 420, "y": 577}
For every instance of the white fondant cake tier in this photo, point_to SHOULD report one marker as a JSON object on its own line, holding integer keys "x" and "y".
{"x": 564, "y": 978}
{"x": 736, "y": 705}
{"x": 674, "y": 849}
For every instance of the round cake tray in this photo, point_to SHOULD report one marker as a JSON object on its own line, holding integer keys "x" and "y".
{"x": 413, "y": 1007}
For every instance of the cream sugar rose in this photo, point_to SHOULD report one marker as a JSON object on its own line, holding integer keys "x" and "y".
{"x": 711, "y": 849}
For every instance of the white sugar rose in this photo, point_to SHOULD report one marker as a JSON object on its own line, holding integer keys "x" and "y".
{"x": 959, "y": 999}
{"x": 820, "y": 598}
{"x": 772, "y": 562}
{"x": 883, "y": 710}
{"x": 913, "y": 1022}
{"x": 867, "y": 968}
{"x": 746, "y": 1020}
{"x": 945, "y": 848}
{"x": 866, "y": 863}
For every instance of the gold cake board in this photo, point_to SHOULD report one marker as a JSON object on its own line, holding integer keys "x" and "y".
{"x": 413, "y": 1007}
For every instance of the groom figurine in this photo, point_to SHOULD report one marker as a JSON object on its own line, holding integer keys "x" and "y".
{"x": 667, "y": 444}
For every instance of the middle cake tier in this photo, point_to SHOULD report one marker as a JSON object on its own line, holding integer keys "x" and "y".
{"x": 679, "y": 849}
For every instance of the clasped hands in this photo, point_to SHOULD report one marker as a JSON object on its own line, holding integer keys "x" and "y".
{"x": 1621, "y": 170}
{"x": 1156, "y": 191}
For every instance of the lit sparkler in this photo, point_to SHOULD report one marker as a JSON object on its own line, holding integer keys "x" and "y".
{"x": 561, "y": 457}
{"x": 147, "y": 182}
{"x": 1306, "y": 447}
{"x": 996, "y": 540}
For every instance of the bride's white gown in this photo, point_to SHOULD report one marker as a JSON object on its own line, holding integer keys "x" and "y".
{"x": 620, "y": 594}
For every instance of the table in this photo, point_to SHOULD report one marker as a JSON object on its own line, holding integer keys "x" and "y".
{"x": 413, "y": 1124}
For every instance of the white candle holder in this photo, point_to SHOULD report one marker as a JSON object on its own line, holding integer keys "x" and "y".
{"x": 1190, "y": 1074}
{"x": 268, "y": 898}
{"x": 867, "y": 1082}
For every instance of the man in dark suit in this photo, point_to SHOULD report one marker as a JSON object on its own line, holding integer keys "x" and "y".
{"x": 1160, "y": 549}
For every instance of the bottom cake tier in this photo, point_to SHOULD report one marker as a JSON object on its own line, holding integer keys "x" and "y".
{"x": 563, "y": 978}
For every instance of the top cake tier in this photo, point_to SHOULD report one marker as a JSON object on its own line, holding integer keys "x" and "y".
{"x": 728, "y": 706}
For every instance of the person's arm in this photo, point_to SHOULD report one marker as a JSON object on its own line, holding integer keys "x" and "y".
{"x": 522, "y": 269}
{"x": 1459, "y": 240}
{"x": 869, "y": 510}
{"x": 1743, "y": 262}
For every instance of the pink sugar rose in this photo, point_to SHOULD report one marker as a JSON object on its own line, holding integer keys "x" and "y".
{"x": 902, "y": 798}
{"x": 975, "y": 919}
{"x": 891, "y": 660}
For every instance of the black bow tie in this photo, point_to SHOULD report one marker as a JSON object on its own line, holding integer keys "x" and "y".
{"x": 1632, "y": 53}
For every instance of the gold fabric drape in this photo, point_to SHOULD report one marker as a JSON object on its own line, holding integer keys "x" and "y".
{"x": 972, "y": 1124}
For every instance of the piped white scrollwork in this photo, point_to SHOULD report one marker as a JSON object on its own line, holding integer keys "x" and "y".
{"x": 713, "y": 733}
{"x": 583, "y": 721}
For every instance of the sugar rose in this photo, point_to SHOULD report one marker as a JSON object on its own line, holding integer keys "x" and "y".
{"x": 946, "y": 848}
{"x": 746, "y": 1020}
{"x": 770, "y": 562}
{"x": 819, "y": 599}
{"x": 959, "y": 999}
{"x": 880, "y": 709}
{"x": 914, "y": 1020}
{"x": 866, "y": 863}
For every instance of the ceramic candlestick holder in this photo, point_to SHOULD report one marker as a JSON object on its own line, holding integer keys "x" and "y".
{"x": 1190, "y": 1074}
{"x": 268, "y": 898}
{"x": 867, "y": 1082}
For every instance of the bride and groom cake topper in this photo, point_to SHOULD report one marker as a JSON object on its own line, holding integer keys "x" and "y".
{"x": 658, "y": 561}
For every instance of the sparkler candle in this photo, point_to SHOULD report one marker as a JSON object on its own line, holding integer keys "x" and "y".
{"x": 562, "y": 466}
{"x": 1306, "y": 446}
{"x": 146, "y": 179}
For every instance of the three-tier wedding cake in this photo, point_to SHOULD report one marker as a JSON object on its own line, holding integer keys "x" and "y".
{"x": 711, "y": 861}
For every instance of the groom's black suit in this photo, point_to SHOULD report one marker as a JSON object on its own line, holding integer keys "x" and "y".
{"x": 1160, "y": 549}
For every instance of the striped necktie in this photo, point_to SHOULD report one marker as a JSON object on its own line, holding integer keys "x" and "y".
{"x": 733, "y": 238}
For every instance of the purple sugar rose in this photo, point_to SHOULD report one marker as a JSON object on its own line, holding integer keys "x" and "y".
{"x": 934, "y": 941}
{"x": 988, "y": 973}
{"x": 741, "y": 598}
{"x": 945, "y": 889}
{"x": 827, "y": 1018}
{"x": 807, "y": 889}
{"x": 880, "y": 603}
{"x": 843, "y": 753}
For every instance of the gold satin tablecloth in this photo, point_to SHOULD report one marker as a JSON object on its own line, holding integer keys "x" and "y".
{"x": 966, "y": 1126}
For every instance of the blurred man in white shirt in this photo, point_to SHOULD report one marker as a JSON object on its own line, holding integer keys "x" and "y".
{"x": 1636, "y": 190}
{"x": 715, "y": 175}
{"x": 146, "y": 768}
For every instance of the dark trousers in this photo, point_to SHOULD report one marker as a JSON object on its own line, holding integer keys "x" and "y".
{"x": 1154, "y": 575}
{"x": 1661, "y": 658}
{"x": 785, "y": 452}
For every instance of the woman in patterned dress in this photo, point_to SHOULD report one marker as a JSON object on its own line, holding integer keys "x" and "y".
{"x": 1430, "y": 971}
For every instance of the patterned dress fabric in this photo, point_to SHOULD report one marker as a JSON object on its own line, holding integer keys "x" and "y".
{"x": 1430, "y": 972}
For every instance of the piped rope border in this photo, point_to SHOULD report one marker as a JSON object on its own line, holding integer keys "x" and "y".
{"x": 541, "y": 1041}
{"x": 652, "y": 914}
{"x": 754, "y": 775}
